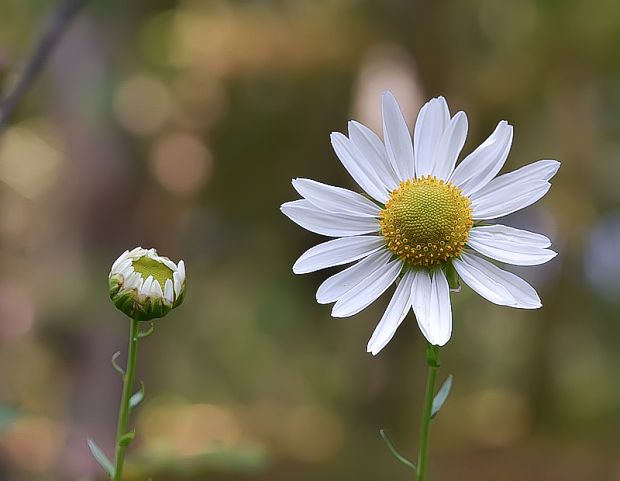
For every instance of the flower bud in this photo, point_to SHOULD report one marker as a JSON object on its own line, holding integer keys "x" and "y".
{"x": 145, "y": 285}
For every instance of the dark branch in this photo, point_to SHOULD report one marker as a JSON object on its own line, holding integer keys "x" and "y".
{"x": 54, "y": 29}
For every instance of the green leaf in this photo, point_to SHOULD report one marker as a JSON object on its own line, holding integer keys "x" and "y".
{"x": 101, "y": 458}
{"x": 393, "y": 450}
{"x": 137, "y": 398}
{"x": 441, "y": 396}
{"x": 126, "y": 439}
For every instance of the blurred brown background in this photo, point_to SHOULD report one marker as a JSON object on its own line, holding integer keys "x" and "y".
{"x": 179, "y": 125}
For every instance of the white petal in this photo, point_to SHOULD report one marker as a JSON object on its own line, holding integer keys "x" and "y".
{"x": 335, "y": 199}
{"x": 514, "y": 246}
{"x": 513, "y": 191}
{"x": 181, "y": 270}
{"x": 504, "y": 232}
{"x": 509, "y": 199}
{"x": 134, "y": 281}
{"x": 305, "y": 214}
{"x": 122, "y": 258}
{"x": 450, "y": 146}
{"x": 178, "y": 283}
{"x": 334, "y": 287}
{"x": 430, "y": 299}
{"x": 125, "y": 269}
{"x": 123, "y": 266}
{"x": 370, "y": 145}
{"x": 367, "y": 291}
{"x": 336, "y": 252}
{"x": 432, "y": 120}
{"x": 137, "y": 252}
{"x": 156, "y": 290}
{"x": 483, "y": 164}
{"x": 167, "y": 262}
{"x": 397, "y": 138}
{"x": 146, "y": 287}
{"x": 394, "y": 315}
{"x": 169, "y": 291}
{"x": 355, "y": 163}
{"x": 541, "y": 170}
{"x": 420, "y": 296}
{"x": 494, "y": 284}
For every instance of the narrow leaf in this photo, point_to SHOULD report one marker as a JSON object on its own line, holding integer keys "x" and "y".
{"x": 126, "y": 439}
{"x": 441, "y": 396}
{"x": 137, "y": 398}
{"x": 101, "y": 458}
{"x": 115, "y": 365}
{"x": 393, "y": 450}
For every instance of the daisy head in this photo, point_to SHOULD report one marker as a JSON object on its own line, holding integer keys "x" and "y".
{"x": 145, "y": 285}
{"x": 420, "y": 219}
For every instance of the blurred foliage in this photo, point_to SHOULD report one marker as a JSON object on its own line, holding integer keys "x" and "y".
{"x": 179, "y": 124}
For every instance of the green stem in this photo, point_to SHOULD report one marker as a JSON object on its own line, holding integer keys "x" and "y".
{"x": 123, "y": 417}
{"x": 432, "y": 359}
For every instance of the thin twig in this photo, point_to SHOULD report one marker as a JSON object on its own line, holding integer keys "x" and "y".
{"x": 52, "y": 32}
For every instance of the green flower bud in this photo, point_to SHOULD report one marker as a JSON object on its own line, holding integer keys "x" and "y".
{"x": 145, "y": 285}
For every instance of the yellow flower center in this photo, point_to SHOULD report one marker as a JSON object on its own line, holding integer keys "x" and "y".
{"x": 146, "y": 267}
{"x": 426, "y": 221}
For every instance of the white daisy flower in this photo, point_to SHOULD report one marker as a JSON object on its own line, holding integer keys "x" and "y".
{"x": 145, "y": 285}
{"x": 422, "y": 218}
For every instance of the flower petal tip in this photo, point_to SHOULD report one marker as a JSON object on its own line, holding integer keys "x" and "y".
{"x": 338, "y": 312}
{"x": 554, "y": 166}
{"x": 529, "y": 306}
{"x": 372, "y": 348}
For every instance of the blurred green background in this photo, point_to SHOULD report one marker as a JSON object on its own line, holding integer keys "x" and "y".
{"x": 179, "y": 125}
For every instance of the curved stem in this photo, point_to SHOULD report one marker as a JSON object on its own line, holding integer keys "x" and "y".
{"x": 123, "y": 417}
{"x": 432, "y": 359}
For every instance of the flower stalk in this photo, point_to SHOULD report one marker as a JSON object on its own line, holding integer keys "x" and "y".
{"x": 144, "y": 286}
{"x": 123, "y": 437}
{"x": 432, "y": 360}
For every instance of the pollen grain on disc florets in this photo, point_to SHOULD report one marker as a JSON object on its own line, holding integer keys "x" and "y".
{"x": 145, "y": 285}
{"x": 426, "y": 221}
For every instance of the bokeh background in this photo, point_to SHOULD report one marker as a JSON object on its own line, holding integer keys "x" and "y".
{"x": 179, "y": 124}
